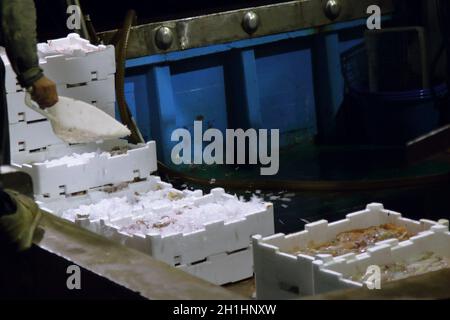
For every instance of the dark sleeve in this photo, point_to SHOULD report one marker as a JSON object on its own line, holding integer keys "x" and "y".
{"x": 7, "y": 205}
{"x": 18, "y": 26}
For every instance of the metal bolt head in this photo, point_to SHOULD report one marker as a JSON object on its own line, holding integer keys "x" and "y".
{"x": 164, "y": 38}
{"x": 250, "y": 22}
{"x": 332, "y": 9}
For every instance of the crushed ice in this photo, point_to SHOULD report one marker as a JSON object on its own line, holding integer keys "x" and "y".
{"x": 72, "y": 45}
{"x": 165, "y": 211}
{"x": 73, "y": 159}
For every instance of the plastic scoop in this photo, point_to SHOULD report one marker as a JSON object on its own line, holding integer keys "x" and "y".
{"x": 75, "y": 121}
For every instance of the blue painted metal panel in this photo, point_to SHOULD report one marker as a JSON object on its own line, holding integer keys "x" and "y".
{"x": 328, "y": 82}
{"x": 242, "y": 87}
{"x": 286, "y": 86}
{"x": 136, "y": 93}
{"x": 251, "y": 89}
{"x": 289, "y": 81}
{"x": 199, "y": 93}
{"x": 162, "y": 108}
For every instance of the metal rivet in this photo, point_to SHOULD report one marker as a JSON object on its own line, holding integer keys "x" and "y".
{"x": 332, "y": 9}
{"x": 164, "y": 38}
{"x": 250, "y": 22}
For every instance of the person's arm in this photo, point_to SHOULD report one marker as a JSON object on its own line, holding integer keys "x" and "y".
{"x": 18, "y": 25}
{"x": 19, "y": 36}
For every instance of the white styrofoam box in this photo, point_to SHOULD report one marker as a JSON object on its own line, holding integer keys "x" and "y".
{"x": 76, "y": 68}
{"x": 204, "y": 252}
{"x": 95, "y": 195}
{"x": 27, "y": 138}
{"x": 58, "y": 206}
{"x": 99, "y": 93}
{"x": 279, "y": 275}
{"x": 335, "y": 274}
{"x": 91, "y": 66}
{"x": 56, "y": 181}
{"x": 283, "y": 275}
{"x": 223, "y": 268}
{"x": 213, "y": 238}
{"x": 11, "y": 84}
{"x": 18, "y": 111}
{"x": 63, "y": 149}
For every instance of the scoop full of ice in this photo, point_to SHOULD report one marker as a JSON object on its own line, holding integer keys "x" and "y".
{"x": 75, "y": 121}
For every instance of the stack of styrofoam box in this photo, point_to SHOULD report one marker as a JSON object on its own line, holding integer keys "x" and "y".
{"x": 86, "y": 73}
{"x": 103, "y": 168}
{"x": 336, "y": 274}
{"x": 283, "y": 275}
{"x": 220, "y": 252}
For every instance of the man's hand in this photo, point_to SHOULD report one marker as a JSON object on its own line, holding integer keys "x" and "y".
{"x": 44, "y": 92}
